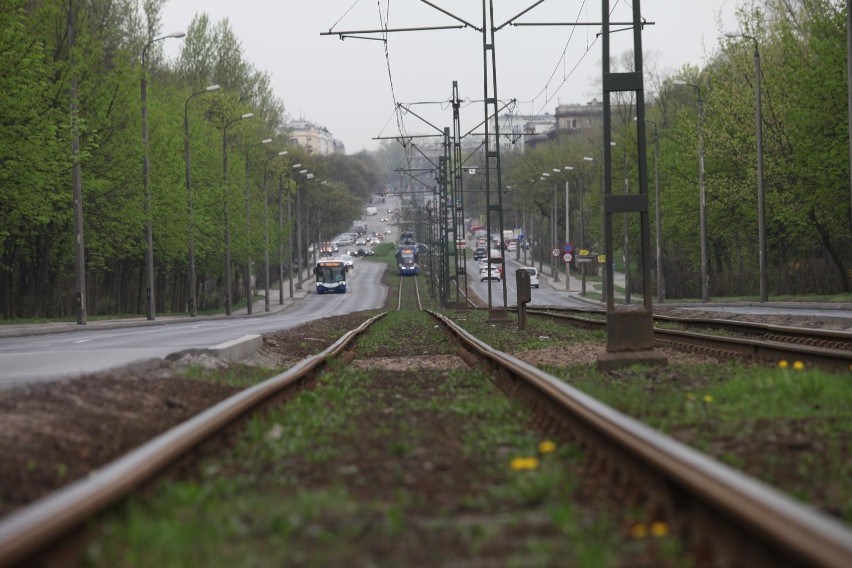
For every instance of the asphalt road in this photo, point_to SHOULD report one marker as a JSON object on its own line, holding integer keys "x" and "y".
{"x": 87, "y": 349}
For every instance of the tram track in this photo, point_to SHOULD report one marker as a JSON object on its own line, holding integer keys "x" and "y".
{"x": 760, "y": 343}
{"x": 695, "y": 495}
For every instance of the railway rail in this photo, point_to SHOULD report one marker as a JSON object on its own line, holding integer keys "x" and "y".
{"x": 761, "y": 343}
{"x": 731, "y": 519}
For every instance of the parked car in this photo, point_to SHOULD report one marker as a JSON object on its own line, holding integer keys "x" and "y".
{"x": 533, "y": 272}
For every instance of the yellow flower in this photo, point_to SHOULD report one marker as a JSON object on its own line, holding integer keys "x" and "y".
{"x": 708, "y": 398}
{"x": 798, "y": 365}
{"x": 639, "y": 531}
{"x": 782, "y": 364}
{"x": 524, "y": 464}
{"x": 546, "y": 447}
{"x": 659, "y": 529}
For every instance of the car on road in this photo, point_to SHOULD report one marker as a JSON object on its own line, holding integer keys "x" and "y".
{"x": 480, "y": 253}
{"x": 533, "y": 272}
{"x": 493, "y": 274}
{"x": 387, "y": 231}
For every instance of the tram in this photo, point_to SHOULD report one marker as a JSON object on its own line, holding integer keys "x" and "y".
{"x": 330, "y": 276}
{"x": 406, "y": 260}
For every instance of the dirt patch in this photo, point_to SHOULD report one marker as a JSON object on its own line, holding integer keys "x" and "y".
{"x": 52, "y": 434}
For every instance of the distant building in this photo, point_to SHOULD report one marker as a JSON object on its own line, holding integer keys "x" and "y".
{"x": 573, "y": 118}
{"x": 314, "y": 139}
{"x": 518, "y": 131}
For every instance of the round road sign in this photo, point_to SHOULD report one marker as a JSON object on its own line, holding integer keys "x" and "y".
{"x": 568, "y": 247}
{"x": 555, "y": 252}
{"x": 567, "y": 257}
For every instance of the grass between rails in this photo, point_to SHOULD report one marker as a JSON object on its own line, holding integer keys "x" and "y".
{"x": 381, "y": 468}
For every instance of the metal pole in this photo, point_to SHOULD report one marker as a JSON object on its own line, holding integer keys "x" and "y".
{"x": 149, "y": 232}
{"x": 849, "y": 93}
{"x": 567, "y": 236}
{"x": 299, "y": 236}
{"x": 248, "y": 238}
{"x": 265, "y": 237}
{"x": 626, "y": 238}
{"x": 281, "y": 238}
{"x": 705, "y": 277}
{"x": 151, "y": 304}
{"x": 661, "y": 290}
{"x": 761, "y": 201}
{"x": 225, "y": 189}
{"x": 290, "y": 238}
{"x": 77, "y": 186}
{"x": 191, "y": 271}
{"x": 553, "y": 233}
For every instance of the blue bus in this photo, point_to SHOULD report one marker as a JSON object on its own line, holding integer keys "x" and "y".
{"x": 331, "y": 276}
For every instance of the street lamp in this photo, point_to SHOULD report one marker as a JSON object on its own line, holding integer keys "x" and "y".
{"x": 248, "y": 226}
{"x": 705, "y": 279}
{"x": 228, "y": 291}
{"x": 298, "y": 232}
{"x": 583, "y": 227}
{"x": 193, "y": 309}
{"x": 567, "y": 227}
{"x": 761, "y": 202}
{"x": 266, "y": 228}
{"x": 149, "y": 231}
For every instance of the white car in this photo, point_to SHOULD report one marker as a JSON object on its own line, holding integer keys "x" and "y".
{"x": 493, "y": 275}
{"x": 533, "y": 272}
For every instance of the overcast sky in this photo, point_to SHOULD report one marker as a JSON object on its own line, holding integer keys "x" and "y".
{"x": 351, "y": 87}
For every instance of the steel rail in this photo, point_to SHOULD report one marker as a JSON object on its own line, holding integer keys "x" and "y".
{"x": 828, "y": 338}
{"x": 31, "y": 529}
{"x": 761, "y": 522}
{"x": 769, "y": 352}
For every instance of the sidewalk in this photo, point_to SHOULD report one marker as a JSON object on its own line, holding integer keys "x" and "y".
{"x": 575, "y": 281}
{"x": 258, "y": 310}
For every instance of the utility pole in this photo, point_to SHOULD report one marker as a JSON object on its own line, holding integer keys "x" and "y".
{"x": 77, "y": 183}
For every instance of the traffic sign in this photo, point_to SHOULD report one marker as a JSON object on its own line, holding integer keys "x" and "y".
{"x": 555, "y": 252}
{"x": 567, "y": 257}
{"x": 568, "y": 247}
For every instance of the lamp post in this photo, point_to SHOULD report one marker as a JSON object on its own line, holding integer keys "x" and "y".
{"x": 583, "y": 225}
{"x": 281, "y": 238}
{"x": 553, "y": 266}
{"x": 149, "y": 231}
{"x": 225, "y": 188}
{"x": 266, "y": 229}
{"x": 298, "y": 231}
{"x": 761, "y": 202}
{"x": 567, "y": 228}
{"x": 705, "y": 279}
{"x": 193, "y": 309}
{"x": 248, "y": 226}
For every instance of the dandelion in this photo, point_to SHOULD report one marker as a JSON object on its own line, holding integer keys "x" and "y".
{"x": 708, "y": 398}
{"x": 782, "y": 364}
{"x": 546, "y": 447}
{"x": 639, "y": 531}
{"x": 798, "y": 365}
{"x": 659, "y": 529}
{"x": 524, "y": 464}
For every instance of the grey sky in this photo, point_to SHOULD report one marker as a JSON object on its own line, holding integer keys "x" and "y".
{"x": 346, "y": 85}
